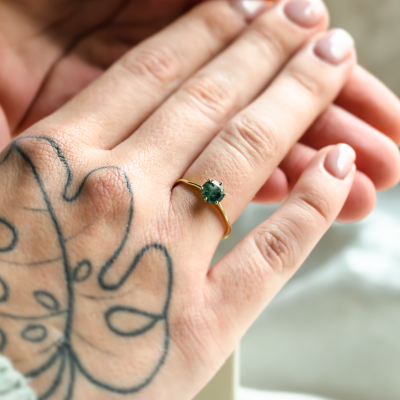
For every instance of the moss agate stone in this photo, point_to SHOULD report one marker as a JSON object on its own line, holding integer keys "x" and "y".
{"x": 212, "y": 192}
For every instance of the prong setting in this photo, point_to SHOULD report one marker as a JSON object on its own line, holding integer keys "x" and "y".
{"x": 215, "y": 190}
{"x": 212, "y": 192}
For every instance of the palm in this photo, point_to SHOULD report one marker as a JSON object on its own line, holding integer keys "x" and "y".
{"x": 52, "y": 49}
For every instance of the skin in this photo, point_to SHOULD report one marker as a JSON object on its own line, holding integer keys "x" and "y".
{"x": 106, "y": 287}
{"x": 76, "y": 46}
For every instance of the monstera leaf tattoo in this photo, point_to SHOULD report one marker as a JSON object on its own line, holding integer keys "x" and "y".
{"x": 81, "y": 304}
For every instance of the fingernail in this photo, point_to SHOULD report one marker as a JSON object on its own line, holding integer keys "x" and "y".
{"x": 249, "y": 8}
{"x": 335, "y": 47}
{"x": 340, "y": 160}
{"x": 306, "y": 13}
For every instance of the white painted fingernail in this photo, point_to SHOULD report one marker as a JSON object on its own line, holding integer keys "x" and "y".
{"x": 306, "y": 13}
{"x": 249, "y": 8}
{"x": 340, "y": 161}
{"x": 335, "y": 47}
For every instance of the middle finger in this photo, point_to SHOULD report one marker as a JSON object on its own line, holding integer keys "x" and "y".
{"x": 186, "y": 123}
{"x": 255, "y": 141}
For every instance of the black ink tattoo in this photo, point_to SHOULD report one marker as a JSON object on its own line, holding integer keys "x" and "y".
{"x": 3, "y": 340}
{"x": 46, "y": 300}
{"x": 62, "y": 356}
{"x": 14, "y": 236}
{"x": 34, "y": 333}
{"x": 4, "y": 291}
{"x": 82, "y": 271}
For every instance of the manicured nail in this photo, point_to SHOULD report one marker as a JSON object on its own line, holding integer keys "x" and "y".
{"x": 306, "y": 13}
{"x": 335, "y": 47}
{"x": 340, "y": 160}
{"x": 249, "y": 8}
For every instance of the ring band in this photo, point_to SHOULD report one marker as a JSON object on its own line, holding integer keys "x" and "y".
{"x": 212, "y": 193}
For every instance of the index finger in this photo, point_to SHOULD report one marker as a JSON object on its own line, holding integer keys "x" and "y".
{"x": 370, "y": 100}
{"x": 113, "y": 106}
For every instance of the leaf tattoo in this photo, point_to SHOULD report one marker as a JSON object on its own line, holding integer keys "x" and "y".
{"x": 86, "y": 307}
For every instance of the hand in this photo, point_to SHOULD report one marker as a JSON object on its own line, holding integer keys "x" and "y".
{"x": 105, "y": 283}
{"x": 51, "y": 49}
{"x": 76, "y": 45}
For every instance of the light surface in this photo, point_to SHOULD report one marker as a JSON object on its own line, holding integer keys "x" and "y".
{"x": 251, "y": 394}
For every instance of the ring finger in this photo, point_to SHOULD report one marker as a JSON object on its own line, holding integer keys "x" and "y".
{"x": 255, "y": 141}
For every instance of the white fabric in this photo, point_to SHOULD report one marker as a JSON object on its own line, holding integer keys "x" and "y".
{"x": 13, "y": 385}
{"x": 251, "y": 394}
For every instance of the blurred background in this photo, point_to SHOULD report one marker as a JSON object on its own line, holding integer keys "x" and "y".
{"x": 334, "y": 331}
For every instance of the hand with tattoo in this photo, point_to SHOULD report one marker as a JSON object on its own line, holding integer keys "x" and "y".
{"x": 52, "y": 49}
{"x": 106, "y": 290}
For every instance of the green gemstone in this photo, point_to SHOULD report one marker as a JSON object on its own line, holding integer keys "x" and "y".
{"x": 213, "y": 191}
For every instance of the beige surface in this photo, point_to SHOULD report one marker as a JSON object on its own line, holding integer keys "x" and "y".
{"x": 224, "y": 385}
{"x": 251, "y": 394}
{"x": 375, "y": 24}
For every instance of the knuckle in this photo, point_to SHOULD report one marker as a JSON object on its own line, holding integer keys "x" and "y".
{"x": 307, "y": 83}
{"x": 315, "y": 205}
{"x": 211, "y": 94}
{"x": 106, "y": 193}
{"x": 270, "y": 43}
{"x": 253, "y": 138}
{"x": 159, "y": 64}
{"x": 220, "y": 20}
{"x": 41, "y": 146}
{"x": 40, "y": 150}
{"x": 275, "y": 248}
{"x": 66, "y": 135}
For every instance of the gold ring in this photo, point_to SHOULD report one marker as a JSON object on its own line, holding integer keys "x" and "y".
{"x": 213, "y": 193}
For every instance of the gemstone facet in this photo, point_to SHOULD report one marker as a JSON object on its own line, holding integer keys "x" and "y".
{"x": 212, "y": 192}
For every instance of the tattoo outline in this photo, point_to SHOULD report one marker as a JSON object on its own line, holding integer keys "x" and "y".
{"x": 34, "y": 332}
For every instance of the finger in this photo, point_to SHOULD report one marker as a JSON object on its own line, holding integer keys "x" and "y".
{"x": 369, "y": 99}
{"x": 274, "y": 190}
{"x": 95, "y": 53}
{"x": 377, "y": 155}
{"x": 254, "y": 142}
{"x": 361, "y": 201}
{"x": 113, "y": 106}
{"x": 243, "y": 282}
{"x": 359, "y": 204}
{"x": 362, "y": 197}
{"x": 291, "y": 168}
{"x": 295, "y": 162}
{"x": 69, "y": 77}
{"x": 199, "y": 110}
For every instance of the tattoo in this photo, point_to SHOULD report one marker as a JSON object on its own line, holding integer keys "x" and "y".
{"x": 61, "y": 359}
